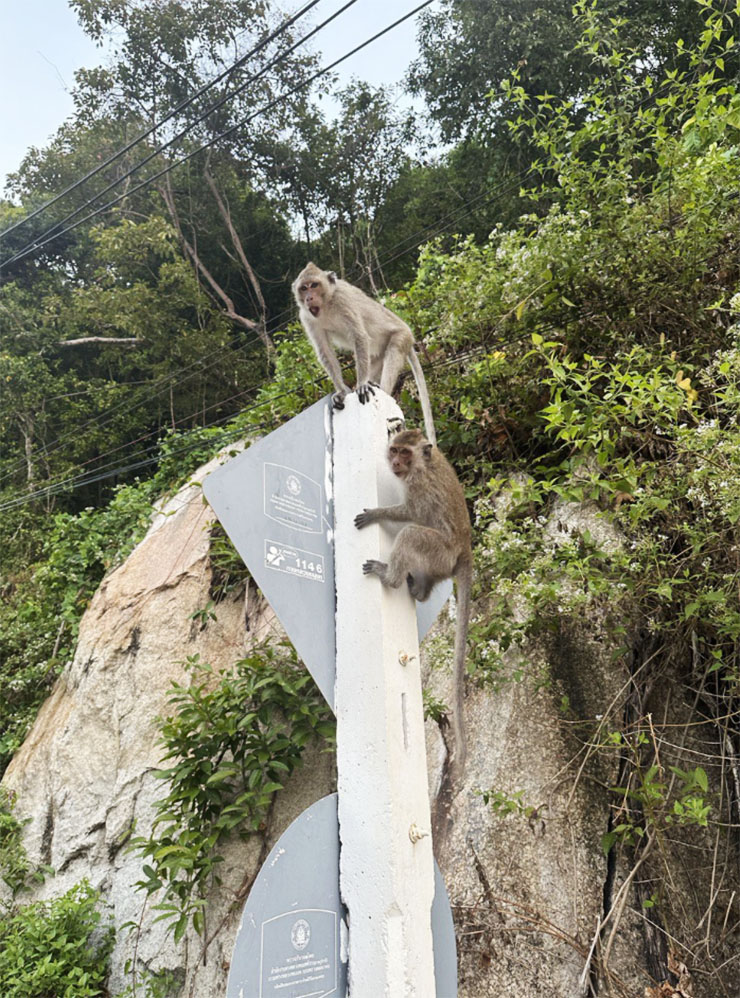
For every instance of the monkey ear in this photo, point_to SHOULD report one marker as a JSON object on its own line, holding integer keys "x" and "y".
{"x": 427, "y": 451}
{"x": 331, "y": 277}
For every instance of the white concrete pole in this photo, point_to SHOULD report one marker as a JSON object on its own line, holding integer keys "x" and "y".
{"x": 386, "y": 864}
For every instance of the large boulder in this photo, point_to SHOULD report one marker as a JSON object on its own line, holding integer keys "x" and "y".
{"x": 84, "y": 775}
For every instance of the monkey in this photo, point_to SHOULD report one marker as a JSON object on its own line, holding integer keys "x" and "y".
{"x": 435, "y": 544}
{"x": 335, "y": 313}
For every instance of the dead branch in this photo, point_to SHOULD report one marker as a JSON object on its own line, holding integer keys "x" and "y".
{"x": 217, "y": 292}
{"x": 237, "y": 243}
{"x": 129, "y": 341}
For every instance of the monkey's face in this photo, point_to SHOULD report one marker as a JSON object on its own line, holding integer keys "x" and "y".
{"x": 401, "y": 460}
{"x": 312, "y": 289}
{"x": 312, "y": 296}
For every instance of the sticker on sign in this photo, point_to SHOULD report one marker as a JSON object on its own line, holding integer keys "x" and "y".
{"x": 294, "y": 561}
{"x": 292, "y": 498}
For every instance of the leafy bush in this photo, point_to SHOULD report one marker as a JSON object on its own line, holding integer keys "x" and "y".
{"x": 590, "y": 360}
{"x": 56, "y": 949}
{"x": 15, "y": 868}
{"x": 233, "y": 738}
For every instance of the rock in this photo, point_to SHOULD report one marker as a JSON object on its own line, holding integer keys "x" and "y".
{"x": 84, "y": 775}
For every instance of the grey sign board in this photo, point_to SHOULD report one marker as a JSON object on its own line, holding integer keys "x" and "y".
{"x": 292, "y": 941}
{"x": 275, "y": 502}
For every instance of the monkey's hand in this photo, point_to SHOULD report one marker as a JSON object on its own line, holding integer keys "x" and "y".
{"x": 337, "y": 399}
{"x": 372, "y": 567}
{"x": 365, "y": 390}
{"x": 364, "y": 518}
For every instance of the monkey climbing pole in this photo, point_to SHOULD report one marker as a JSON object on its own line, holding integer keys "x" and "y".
{"x": 288, "y": 503}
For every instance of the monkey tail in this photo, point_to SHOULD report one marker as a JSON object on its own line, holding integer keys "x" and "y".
{"x": 464, "y": 577}
{"x": 421, "y": 385}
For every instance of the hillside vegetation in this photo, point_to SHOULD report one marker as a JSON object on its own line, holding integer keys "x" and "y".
{"x": 578, "y": 302}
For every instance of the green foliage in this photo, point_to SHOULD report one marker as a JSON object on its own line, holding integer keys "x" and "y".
{"x": 653, "y": 801}
{"x": 227, "y": 566}
{"x": 46, "y": 597}
{"x": 56, "y": 949}
{"x": 504, "y": 804}
{"x": 16, "y": 870}
{"x": 233, "y": 739}
{"x": 468, "y": 48}
{"x": 152, "y": 983}
{"x": 434, "y": 708}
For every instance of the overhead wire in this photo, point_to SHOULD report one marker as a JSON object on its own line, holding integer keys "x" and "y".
{"x": 186, "y": 102}
{"x": 199, "y": 368}
{"x": 35, "y": 246}
{"x": 500, "y": 191}
{"x": 454, "y": 216}
{"x": 50, "y": 234}
{"x": 167, "y": 380}
{"x": 73, "y": 483}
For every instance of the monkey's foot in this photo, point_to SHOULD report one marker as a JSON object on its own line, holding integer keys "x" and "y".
{"x": 372, "y": 567}
{"x": 365, "y": 390}
{"x": 337, "y": 400}
{"x": 363, "y": 519}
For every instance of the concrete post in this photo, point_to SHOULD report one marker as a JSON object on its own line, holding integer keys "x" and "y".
{"x": 386, "y": 863}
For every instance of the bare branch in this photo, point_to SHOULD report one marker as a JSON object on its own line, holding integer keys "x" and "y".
{"x": 216, "y": 289}
{"x": 226, "y": 215}
{"x": 130, "y": 341}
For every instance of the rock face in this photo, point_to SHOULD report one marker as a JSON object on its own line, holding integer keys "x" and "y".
{"x": 526, "y": 881}
{"x": 84, "y": 774}
{"x": 528, "y": 890}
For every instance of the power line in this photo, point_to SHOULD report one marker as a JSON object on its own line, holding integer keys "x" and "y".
{"x": 74, "y": 482}
{"x": 123, "y": 406}
{"x": 162, "y": 121}
{"x": 51, "y": 233}
{"x": 32, "y": 247}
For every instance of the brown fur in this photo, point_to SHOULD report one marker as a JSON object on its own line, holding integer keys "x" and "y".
{"x": 435, "y": 545}
{"x": 336, "y": 314}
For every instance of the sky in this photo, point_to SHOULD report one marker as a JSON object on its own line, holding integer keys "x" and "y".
{"x": 41, "y": 45}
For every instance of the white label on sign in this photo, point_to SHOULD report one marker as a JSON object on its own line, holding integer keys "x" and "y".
{"x": 289, "y": 965}
{"x": 294, "y": 561}
{"x": 292, "y": 498}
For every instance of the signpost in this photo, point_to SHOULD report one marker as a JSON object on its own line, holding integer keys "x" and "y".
{"x": 288, "y": 503}
{"x": 292, "y": 941}
{"x": 276, "y": 503}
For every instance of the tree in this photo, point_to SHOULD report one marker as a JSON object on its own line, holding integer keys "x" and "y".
{"x": 163, "y": 56}
{"x": 469, "y": 46}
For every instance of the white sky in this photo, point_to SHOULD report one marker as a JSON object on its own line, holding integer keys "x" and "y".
{"x": 41, "y": 45}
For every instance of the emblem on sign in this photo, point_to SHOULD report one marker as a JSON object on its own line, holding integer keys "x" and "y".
{"x": 300, "y": 934}
{"x": 292, "y": 498}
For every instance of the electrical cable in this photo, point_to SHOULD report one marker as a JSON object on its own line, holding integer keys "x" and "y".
{"x": 42, "y": 240}
{"x": 33, "y": 247}
{"x": 162, "y": 121}
{"x": 461, "y": 211}
{"x": 124, "y": 407}
{"x": 75, "y": 482}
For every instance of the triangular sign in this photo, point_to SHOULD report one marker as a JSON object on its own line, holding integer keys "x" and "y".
{"x": 275, "y": 502}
